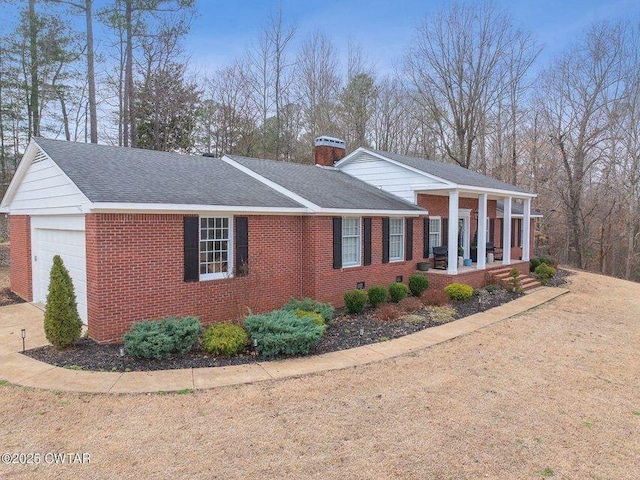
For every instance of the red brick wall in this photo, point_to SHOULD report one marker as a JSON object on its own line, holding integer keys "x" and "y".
{"x": 327, "y": 155}
{"x": 327, "y": 284}
{"x": 20, "y": 256}
{"x": 135, "y": 270}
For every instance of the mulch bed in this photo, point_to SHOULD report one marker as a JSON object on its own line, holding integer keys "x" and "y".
{"x": 7, "y": 297}
{"x": 343, "y": 332}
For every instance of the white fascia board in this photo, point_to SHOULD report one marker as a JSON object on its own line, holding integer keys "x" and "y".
{"x": 371, "y": 213}
{"x": 107, "y": 207}
{"x": 275, "y": 186}
{"x": 496, "y": 191}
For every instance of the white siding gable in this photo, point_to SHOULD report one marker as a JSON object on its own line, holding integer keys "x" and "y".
{"x": 45, "y": 189}
{"x": 388, "y": 176}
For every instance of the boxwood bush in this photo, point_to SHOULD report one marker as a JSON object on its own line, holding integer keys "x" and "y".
{"x": 282, "y": 332}
{"x": 224, "y": 339}
{"x": 418, "y": 284}
{"x": 397, "y": 291}
{"x": 535, "y": 261}
{"x": 355, "y": 300}
{"x": 544, "y": 273}
{"x": 459, "y": 291}
{"x": 377, "y": 295}
{"x": 159, "y": 339}
{"x": 310, "y": 305}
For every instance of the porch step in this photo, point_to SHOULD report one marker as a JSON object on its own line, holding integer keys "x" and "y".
{"x": 501, "y": 276}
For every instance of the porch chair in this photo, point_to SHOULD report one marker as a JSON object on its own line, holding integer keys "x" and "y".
{"x": 440, "y": 255}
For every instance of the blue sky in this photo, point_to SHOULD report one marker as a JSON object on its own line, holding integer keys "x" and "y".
{"x": 223, "y": 30}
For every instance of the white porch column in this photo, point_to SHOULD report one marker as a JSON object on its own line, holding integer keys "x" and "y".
{"x": 526, "y": 231}
{"x": 452, "y": 245}
{"x": 506, "y": 236}
{"x": 482, "y": 231}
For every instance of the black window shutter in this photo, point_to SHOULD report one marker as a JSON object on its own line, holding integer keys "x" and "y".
{"x": 191, "y": 249}
{"x": 385, "y": 240}
{"x": 520, "y": 232}
{"x": 502, "y": 232}
{"x": 408, "y": 239}
{"x": 242, "y": 245}
{"x": 337, "y": 242}
{"x": 445, "y": 232}
{"x": 425, "y": 238}
{"x": 513, "y": 232}
{"x": 367, "y": 240}
{"x": 492, "y": 225}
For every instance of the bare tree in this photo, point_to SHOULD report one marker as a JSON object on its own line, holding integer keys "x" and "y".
{"x": 317, "y": 85}
{"x": 577, "y": 92}
{"x": 465, "y": 58}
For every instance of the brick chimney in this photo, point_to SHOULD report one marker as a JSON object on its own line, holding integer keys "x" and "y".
{"x": 329, "y": 150}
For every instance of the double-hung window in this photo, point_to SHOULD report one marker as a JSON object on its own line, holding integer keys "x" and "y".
{"x": 351, "y": 242}
{"x": 215, "y": 247}
{"x": 396, "y": 239}
{"x": 435, "y": 233}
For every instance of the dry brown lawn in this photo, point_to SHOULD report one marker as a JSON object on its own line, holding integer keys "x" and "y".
{"x": 553, "y": 393}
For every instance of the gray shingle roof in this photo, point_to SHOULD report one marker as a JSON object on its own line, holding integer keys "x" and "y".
{"x": 325, "y": 187}
{"x": 452, "y": 173}
{"x": 130, "y": 175}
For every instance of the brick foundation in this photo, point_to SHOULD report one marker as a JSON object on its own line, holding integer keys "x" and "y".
{"x": 20, "y": 256}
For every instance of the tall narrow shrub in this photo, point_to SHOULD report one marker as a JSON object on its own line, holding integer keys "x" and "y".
{"x": 62, "y": 324}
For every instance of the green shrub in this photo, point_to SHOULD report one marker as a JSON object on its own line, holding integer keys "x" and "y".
{"x": 459, "y": 291}
{"x": 224, "y": 339}
{"x": 282, "y": 332}
{"x": 514, "y": 284}
{"x": 159, "y": 339}
{"x": 397, "y": 291}
{"x": 317, "y": 318}
{"x": 310, "y": 305}
{"x": 62, "y": 324}
{"x": 418, "y": 284}
{"x": 544, "y": 273}
{"x": 184, "y": 332}
{"x": 377, "y": 295}
{"x": 492, "y": 288}
{"x": 355, "y": 300}
{"x": 536, "y": 261}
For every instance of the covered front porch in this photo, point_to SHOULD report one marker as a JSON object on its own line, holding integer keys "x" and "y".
{"x": 464, "y": 222}
{"x": 471, "y": 275}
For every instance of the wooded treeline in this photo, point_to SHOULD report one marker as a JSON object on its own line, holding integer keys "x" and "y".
{"x": 471, "y": 89}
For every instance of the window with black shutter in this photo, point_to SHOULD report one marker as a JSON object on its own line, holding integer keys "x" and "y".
{"x": 337, "y": 242}
{"x": 425, "y": 237}
{"x": 242, "y": 245}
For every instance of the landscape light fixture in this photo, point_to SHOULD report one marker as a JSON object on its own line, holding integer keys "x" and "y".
{"x": 23, "y": 334}
{"x": 121, "y": 354}
{"x": 255, "y": 342}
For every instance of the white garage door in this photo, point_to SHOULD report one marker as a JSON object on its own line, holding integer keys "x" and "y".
{"x": 62, "y": 236}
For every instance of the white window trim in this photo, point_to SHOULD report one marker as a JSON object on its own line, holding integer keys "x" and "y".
{"x": 359, "y": 262}
{"x": 230, "y": 258}
{"x": 439, "y": 218}
{"x": 402, "y": 240}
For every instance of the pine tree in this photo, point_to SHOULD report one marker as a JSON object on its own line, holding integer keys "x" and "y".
{"x": 62, "y": 324}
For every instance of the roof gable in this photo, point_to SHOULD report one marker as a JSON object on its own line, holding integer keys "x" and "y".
{"x": 446, "y": 173}
{"x": 40, "y": 186}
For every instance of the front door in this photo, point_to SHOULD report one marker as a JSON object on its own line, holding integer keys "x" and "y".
{"x": 464, "y": 230}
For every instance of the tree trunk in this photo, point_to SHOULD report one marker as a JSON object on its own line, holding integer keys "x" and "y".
{"x": 93, "y": 116}
{"x": 33, "y": 53}
{"x": 127, "y": 131}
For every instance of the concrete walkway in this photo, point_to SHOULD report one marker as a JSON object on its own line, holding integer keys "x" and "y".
{"x": 22, "y": 370}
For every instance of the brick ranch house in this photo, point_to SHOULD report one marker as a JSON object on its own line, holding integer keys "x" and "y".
{"x": 149, "y": 234}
